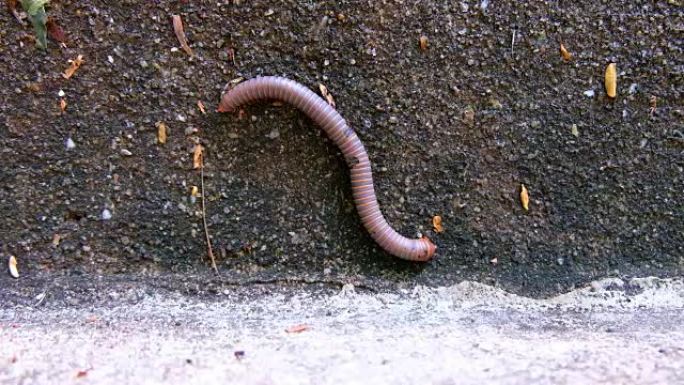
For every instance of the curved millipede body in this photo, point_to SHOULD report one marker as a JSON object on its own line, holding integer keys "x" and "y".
{"x": 273, "y": 87}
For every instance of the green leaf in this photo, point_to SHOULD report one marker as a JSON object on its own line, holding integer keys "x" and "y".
{"x": 32, "y": 7}
{"x": 36, "y": 12}
{"x": 38, "y": 21}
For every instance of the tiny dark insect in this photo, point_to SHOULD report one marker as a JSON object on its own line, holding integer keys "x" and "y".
{"x": 239, "y": 354}
{"x": 273, "y": 87}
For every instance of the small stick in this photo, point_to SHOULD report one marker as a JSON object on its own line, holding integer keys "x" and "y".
{"x": 204, "y": 219}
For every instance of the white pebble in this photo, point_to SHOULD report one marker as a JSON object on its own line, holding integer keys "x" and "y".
{"x": 70, "y": 145}
{"x": 106, "y": 215}
{"x": 61, "y": 93}
{"x": 589, "y": 93}
{"x": 110, "y": 59}
{"x": 633, "y": 88}
{"x": 125, "y": 152}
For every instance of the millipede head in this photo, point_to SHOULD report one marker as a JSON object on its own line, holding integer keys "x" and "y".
{"x": 430, "y": 247}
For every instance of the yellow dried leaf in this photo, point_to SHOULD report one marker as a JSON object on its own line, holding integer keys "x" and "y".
{"x": 14, "y": 272}
{"x": 197, "y": 156}
{"x": 56, "y": 239}
{"x": 611, "y": 80}
{"x": 62, "y": 105}
{"x": 200, "y": 105}
{"x": 423, "y": 42}
{"x": 326, "y": 94}
{"x": 437, "y": 223}
{"x": 194, "y": 191}
{"x": 161, "y": 132}
{"x": 565, "y": 54}
{"x": 180, "y": 34}
{"x": 73, "y": 66}
{"x": 524, "y": 197}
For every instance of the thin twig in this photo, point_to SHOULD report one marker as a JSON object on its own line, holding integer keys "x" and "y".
{"x": 204, "y": 219}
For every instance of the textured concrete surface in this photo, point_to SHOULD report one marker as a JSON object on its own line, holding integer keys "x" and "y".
{"x": 612, "y": 332}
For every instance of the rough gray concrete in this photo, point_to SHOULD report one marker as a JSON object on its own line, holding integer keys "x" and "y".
{"x": 612, "y": 332}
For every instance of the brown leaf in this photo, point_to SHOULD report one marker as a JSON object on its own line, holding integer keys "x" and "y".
{"x": 437, "y": 223}
{"x": 12, "y": 6}
{"x": 180, "y": 34}
{"x": 14, "y": 272}
{"x": 200, "y": 105}
{"x": 194, "y": 191}
{"x": 161, "y": 132}
{"x": 565, "y": 54}
{"x": 326, "y": 94}
{"x": 55, "y": 31}
{"x": 62, "y": 105}
{"x": 297, "y": 328}
{"x": 73, "y": 66}
{"x": 653, "y": 103}
{"x": 423, "y": 43}
{"x": 611, "y": 80}
{"x": 197, "y": 156}
{"x": 82, "y": 373}
{"x": 524, "y": 197}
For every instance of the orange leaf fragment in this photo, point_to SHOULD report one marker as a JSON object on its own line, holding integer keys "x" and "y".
{"x": 180, "y": 34}
{"x": 56, "y": 239}
{"x": 611, "y": 80}
{"x": 297, "y": 328}
{"x": 197, "y": 156}
{"x": 73, "y": 66}
{"x": 565, "y": 54}
{"x": 200, "y": 105}
{"x": 423, "y": 43}
{"x": 62, "y": 105}
{"x": 524, "y": 197}
{"x": 437, "y": 223}
{"x": 326, "y": 94}
{"x": 161, "y": 132}
{"x": 14, "y": 272}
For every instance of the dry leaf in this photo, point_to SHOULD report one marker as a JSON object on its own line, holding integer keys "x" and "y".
{"x": 423, "y": 42}
{"x": 56, "y": 239}
{"x": 653, "y": 103}
{"x": 611, "y": 80}
{"x": 326, "y": 94}
{"x": 55, "y": 31}
{"x": 565, "y": 54}
{"x": 297, "y": 328}
{"x": 194, "y": 191}
{"x": 197, "y": 156}
{"x": 73, "y": 66}
{"x": 62, "y": 105}
{"x": 437, "y": 223}
{"x": 180, "y": 34}
{"x": 200, "y": 105}
{"x": 161, "y": 132}
{"x": 12, "y": 6}
{"x": 524, "y": 197}
{"x": 14, "y": 272}
{"x": 82, "y": 373}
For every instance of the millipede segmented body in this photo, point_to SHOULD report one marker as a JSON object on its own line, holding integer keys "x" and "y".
{"x": 344, "y": 137}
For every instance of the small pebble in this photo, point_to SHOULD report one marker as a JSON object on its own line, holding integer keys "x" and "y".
{"x": 70, "y": 145}
{"x": 125, "y": 152}
{"x": 589, "y": 93}
{"x": 273, "y": 134}
{"x": 61, "y": 93}
{"x": 106, "y": 215}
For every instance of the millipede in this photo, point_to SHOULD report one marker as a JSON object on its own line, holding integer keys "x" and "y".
{"x": 355, "y": 155}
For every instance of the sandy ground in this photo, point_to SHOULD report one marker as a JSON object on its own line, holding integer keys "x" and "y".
{"x": 612, "y": 332}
